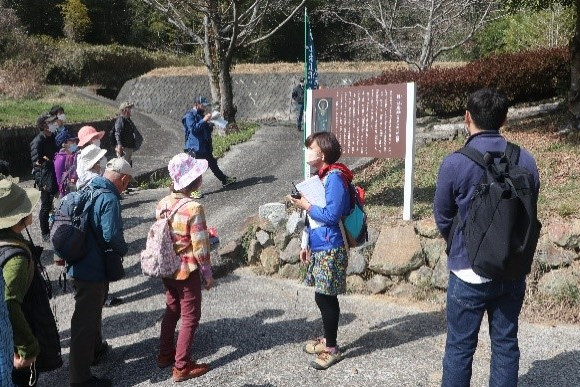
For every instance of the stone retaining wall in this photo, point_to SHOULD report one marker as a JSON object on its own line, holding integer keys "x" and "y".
{"x": 257, "y": 96}
{"x": 402, "y": 258}
{"x": 15, "y": 144}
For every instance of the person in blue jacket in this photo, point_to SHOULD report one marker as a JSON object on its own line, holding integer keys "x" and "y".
{"x": 90, "y": 282}
{"x": 198, "y": 142}
{"x": 323, "y": 246}
{"x": 470, "y": 295}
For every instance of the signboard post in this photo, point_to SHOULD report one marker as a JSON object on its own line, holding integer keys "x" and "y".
{"x": 368, "y": 121}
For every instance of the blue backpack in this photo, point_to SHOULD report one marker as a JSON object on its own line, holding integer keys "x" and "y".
{"x": 71, "y": 222}
{"x": 355, "y": 222}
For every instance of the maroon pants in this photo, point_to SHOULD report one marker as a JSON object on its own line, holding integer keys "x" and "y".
{"x": 183, "y": 300}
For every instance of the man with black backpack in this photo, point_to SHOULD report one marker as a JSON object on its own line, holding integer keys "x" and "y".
{"x": 486, "y": 208}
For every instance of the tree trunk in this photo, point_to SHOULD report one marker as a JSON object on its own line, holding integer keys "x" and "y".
{"x": 227, "y": 92}
{"x": 574, "y": 92}
{"x": 211, "y": 59}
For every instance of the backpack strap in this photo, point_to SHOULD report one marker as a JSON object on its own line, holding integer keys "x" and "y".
{"x": 19, "y": 248}
{"x": 512, "y": 152}
{"x": 474, "y": 155}
{"x": 176, "y": 207}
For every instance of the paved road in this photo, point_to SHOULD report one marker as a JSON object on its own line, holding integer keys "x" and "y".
{"x": 253, "y": 328}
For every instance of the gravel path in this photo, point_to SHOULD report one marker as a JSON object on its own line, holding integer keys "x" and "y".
{"x": 253, "y": 328}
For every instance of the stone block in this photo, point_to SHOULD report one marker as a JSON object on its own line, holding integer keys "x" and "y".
{"x": 357, "y": 262}
{"x": 564, "y": 234}
{"x": 281, "y": 239}
{"x": 378, "y": 284}
{"x": 549, "y": 255}
{"x": 355, "y": 284}
{"x": 253, "y": 253}
{"x": 427, "y": 228}
{"x": 270, "y": 260}
{"x": 440, "y": 277}
{"x": 291, "y": 252}
{"x": 433, "y": 248}
{"x": 421, "y": 277}
{"x": 290, "y": 270}
{"x": 295, "y": 224}
{"x": 403, "y": 290}
{"x": 275, "y": 213}
{"x": 397, "y": 251}
{"x": 264, "y": 238}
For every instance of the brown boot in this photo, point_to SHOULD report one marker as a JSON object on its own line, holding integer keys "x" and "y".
{"x": 190, "y": 371}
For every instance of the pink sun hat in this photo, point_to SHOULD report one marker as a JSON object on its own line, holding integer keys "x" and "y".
{"x": 183, "y": 169}
{"x": 87, "y": 134}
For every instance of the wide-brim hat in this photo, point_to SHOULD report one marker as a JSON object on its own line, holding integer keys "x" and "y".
{"x": 87, "y": 134}
{"x": 16, "y": 202}
{"x": 183, "y": 169}
{"x": 91, "y": 155}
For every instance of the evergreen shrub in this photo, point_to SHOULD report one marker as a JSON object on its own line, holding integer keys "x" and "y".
{"x": 109, "y": 66}
{"x": 523, "y": 77}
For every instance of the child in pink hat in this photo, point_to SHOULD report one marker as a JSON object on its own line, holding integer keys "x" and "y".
{"x": 183, "y": 290}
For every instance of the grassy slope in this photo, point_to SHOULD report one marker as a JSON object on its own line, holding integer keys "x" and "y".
{"x": 24, "y": 112}
{"x": 557, "y": 159}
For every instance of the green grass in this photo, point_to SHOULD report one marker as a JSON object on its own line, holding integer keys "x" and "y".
{"x": 557, "y": 159}
{"x": 221, "y": 144}
{"x": 25, "y": 112}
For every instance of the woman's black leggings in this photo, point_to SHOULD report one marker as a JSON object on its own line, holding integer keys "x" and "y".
{"x": 330, "y": 311}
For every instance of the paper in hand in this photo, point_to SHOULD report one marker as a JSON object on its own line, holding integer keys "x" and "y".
{"x": 218, "y": 120}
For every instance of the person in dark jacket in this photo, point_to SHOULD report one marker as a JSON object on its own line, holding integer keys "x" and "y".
{"x": 89, "y": 277}
{"x": 42, "y": 150}
{"x": 125, "y": 133}
{"x": 470, "y": 296}
{"x": 198, "y": 142}
{"x": 298, "y": 98}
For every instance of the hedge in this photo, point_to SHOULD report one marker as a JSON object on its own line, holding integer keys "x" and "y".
{"x": 109, "y": 66}
{"x": 523, "y": 77}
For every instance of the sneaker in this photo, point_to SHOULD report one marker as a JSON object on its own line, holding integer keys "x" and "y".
{"x": 100, "y": 353}
{"x": 112, "y": 301}
{"x": 46, "y": 237}
{"x": 196, "y": 195}
{"x": 190, "y": 371}
{"x": 315, "y": 347}
{"x": 325, "y": 359}
{"x": 94, "y": 382}
{"x": 166, "y": 360}
{"x": 228, "y": 181}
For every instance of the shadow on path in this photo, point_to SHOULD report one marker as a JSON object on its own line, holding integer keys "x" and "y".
{"x": 395, "y": 332}
{"x": 562, "y": 370}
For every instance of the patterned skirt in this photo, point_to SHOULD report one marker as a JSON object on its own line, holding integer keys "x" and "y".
{"x": 327, "y": 271}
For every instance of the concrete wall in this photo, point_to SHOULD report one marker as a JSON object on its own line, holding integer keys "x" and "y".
{"x": 257, "y": 96}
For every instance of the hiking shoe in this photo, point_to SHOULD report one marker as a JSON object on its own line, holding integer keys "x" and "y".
{"x": 325, "y": 359}
{"x": 315, "y": 347}
{"x": 190, "y": 371}
{"x": 166, "y": 360}
{"x": 196, "y": 195}
{"x": 100, "y": 353}
{"x": 228, "y": 181}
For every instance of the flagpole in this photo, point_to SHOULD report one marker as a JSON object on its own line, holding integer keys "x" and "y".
{"x": 305, "y": 167}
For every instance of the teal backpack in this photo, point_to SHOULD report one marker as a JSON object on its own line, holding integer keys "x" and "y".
{"x": 354, "y": 223}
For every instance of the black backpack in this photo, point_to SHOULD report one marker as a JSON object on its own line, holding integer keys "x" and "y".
{"x": 36, "y": 305}
{"x": 502, "y": 229}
